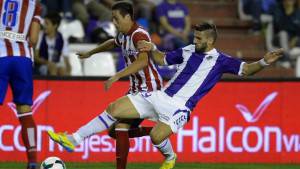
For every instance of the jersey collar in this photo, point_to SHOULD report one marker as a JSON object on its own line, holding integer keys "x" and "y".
{"x": 133, "y": 28}
{"x": 212, "y": 52}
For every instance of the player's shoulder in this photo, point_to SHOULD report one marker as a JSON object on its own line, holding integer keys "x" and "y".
{"x": 225, "y": 55}
{"x": 140, "y": 34}
{"x": 140, "y": 31}
{"x": 189, "y": 48}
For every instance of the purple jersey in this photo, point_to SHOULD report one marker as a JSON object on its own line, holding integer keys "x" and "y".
{"x": 197, "y": 73}
{"x": 175, "y": 14}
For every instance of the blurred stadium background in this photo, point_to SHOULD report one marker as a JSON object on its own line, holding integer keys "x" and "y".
{"x": 219, "y": 135}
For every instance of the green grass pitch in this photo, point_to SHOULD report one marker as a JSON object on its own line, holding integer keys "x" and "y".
{"x": 156, "y": 166}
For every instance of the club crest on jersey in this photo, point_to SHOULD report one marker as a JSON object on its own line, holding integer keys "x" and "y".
{"x": 209, "y": 57}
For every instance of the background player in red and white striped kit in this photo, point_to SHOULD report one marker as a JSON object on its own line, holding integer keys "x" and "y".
{"x": 19, "y": 29}
{"x": 144, "y": 78}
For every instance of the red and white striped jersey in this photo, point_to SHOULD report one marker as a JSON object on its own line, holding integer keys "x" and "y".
{"x": 15, "y": 20}
{"x": 147, "y": 79}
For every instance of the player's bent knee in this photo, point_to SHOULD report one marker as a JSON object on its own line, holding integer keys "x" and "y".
{"x": 114, "y": 114}
{"x": 114, "y": 110}
{"x": 111, "y": 110}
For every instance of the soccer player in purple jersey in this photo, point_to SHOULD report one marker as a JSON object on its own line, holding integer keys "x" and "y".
{"x": 200, "y": 67}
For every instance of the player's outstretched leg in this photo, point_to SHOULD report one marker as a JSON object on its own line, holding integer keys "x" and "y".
{"x": 121, "y": 108}
{"x": 159, "y": 136}
{"x": 96, "y": 125}
{"x": 62, "y": 139}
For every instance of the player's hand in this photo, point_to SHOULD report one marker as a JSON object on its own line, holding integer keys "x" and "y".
{"x": 273, "y": 56}
{"x": 83, "y": 55}
{"x": 110, "y": 81}
{"x": 144, "y": 46}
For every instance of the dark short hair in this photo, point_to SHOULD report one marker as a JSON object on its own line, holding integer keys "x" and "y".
{"x": 207, "y": 27}
{"x": 54, "y": 17}
{"x": 125, "y": 7}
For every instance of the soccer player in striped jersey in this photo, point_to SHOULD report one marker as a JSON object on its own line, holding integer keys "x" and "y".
{"x": 144, "y": 78}
{"x": 19, "y": 29}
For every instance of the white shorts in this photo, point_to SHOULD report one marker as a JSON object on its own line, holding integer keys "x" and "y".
{"x": 159, "y": 105}
{"x": 143, "y": 106}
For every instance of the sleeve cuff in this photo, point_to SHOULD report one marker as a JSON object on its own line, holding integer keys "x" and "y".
{"x": 37, "y": 19}
{"x": 241, "y": 69}
{"x": 165, "y": 60}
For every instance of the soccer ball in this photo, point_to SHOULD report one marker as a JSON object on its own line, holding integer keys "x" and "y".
{"x": 53, "y": 163}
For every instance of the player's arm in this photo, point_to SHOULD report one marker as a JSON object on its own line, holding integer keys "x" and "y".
{"x": 269, "y": 58}
{"x": 105, "y": 46}
{"x": 140, "y": 63}
{"x": 35, "y": 26}
{"x": 34, "y": 33}
{"x": 157, "y": 56}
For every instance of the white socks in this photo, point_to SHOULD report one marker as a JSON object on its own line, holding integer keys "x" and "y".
{"x": 97, "y": 125}
{"x": 166, "y": 149}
